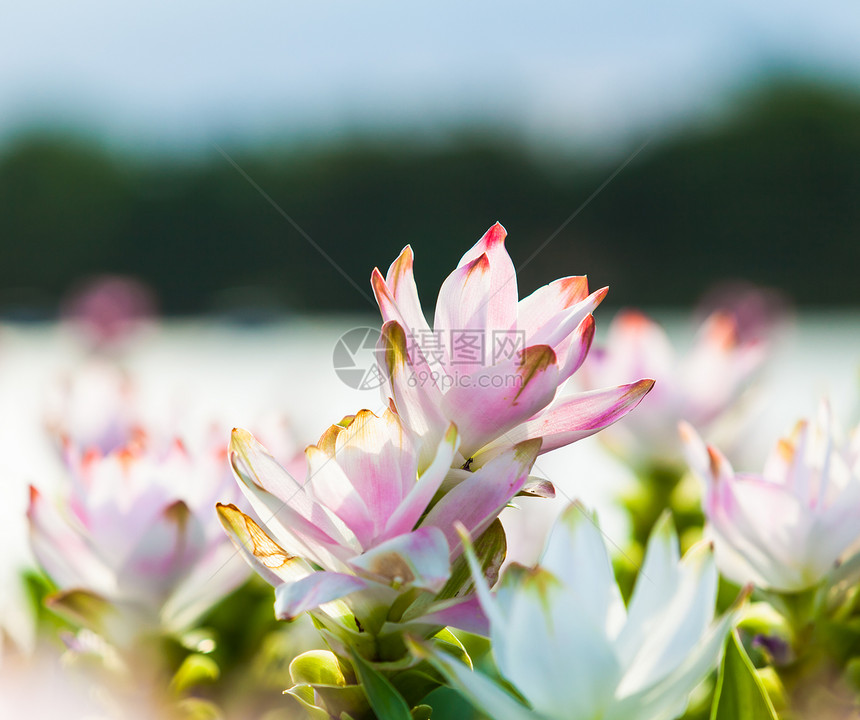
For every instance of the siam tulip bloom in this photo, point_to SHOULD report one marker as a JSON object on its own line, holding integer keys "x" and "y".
{"x": 563, "y": 639}
{"x": 492, "y": 364}
{"x": 363, "y": 516}
{"x": 133, "y": 543}
{"x": 697, "y": 388}
{"x": 786, "y": 528}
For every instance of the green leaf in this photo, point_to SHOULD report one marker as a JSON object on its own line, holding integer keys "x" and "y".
{"x": 490, "y": 548}
{"x": 422, "y": 712}
{"x": 304, "y": 696}
{"x": 447, "y": 641}
{"x": 740, "y": 694}
{"x": 317, "y": 667}
{"x": 386, "y": 702}
{"x": 195, "y": 669}
{"x": 198, "y": 709}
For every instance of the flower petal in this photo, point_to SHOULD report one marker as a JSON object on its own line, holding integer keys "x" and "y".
{"x": 378, "y": 456}
{"x": 554, "y": 332}
{"x": 573, "y": 418}
{"x": 682, "y": 621}
{"x": 397, "y": 294}
{"x": 553, "y": 651}
{"x": 269, "y": 560}
{"x": 463, "y": 304}
{"x": 334, "y": 490}
{"x": 656, "y": 584}
{"x": 576, "y": 554}
{"x": 62, "y": 551}
{"x": 463, "y": 613}
{"x": 482, "y": 692}
{"x": 494, "y": 400}
{"x": 502, "y": 278}
{"x": 414, "y": 391}
{"x": 319, "y": 588}
{"x": 546, "y": 303}
{"x": 476, "y": 501}
{"x": 407, "y": 514}
{"x": 418, "y": 559}
{"x": 213, "y": 577}
{"x": 668, "y": 698}
{"x": 287, "y": 510}
{"x": 166, "y": 552}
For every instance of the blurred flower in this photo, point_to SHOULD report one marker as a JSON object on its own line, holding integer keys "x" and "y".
{"x": 362, "y": 514}
{"x": 44, "y": 688}
{"x": 490, "y": 364}
{"x": 94, "y": 408}
{"x": 110, "y": 308}
{"x": 133, "y": 543}
{"x": 697, "y": 387}
{"x": 758, "y": 312}
{"x": 563, "y": 639}
{"x": 17, "y": 621}
{"x": 786, "y": 528}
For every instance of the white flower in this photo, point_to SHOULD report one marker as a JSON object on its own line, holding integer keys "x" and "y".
{"x": 786, "y": 528}
{"x": 562, "y": 637}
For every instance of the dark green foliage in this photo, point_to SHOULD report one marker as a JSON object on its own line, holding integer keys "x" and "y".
{"x": 769, "y": 194}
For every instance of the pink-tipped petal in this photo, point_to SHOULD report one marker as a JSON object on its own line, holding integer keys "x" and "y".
{"x": 547, "y": 302}
{"x": 569, "y": 419}
{"x": 573, "y": 350}
{"x": 401, "y": 305}
{"x": 463, "y": 306}
{"x": 401, "y": 281}
{"x": 502, "y": 280}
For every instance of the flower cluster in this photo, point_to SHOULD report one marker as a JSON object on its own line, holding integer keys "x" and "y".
{"x": 131, "y": 541}
{"x": 382, "y": 549}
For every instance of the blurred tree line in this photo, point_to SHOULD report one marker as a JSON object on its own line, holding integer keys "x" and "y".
{"x": 769, "y": 193}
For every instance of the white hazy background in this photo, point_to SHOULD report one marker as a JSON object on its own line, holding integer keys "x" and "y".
{"x": 221, "y": 375}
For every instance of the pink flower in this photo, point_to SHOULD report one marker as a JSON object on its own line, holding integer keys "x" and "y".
{"x": 111, "y": 308}
{"x": 492, "y": 364}
{"x": 697, "y": 388}
{"x": 786, "y": 528}
{"x": 362, "y": 514}
{"x": 133, "y": 542}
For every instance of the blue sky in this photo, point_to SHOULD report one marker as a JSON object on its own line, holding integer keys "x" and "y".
{"x": 181, "y": 74}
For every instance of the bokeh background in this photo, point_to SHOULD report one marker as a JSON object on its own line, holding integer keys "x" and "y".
{"x": 375, "y": 124}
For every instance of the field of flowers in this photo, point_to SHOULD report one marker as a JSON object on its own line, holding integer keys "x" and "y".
{"x": 498, "y": 506}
